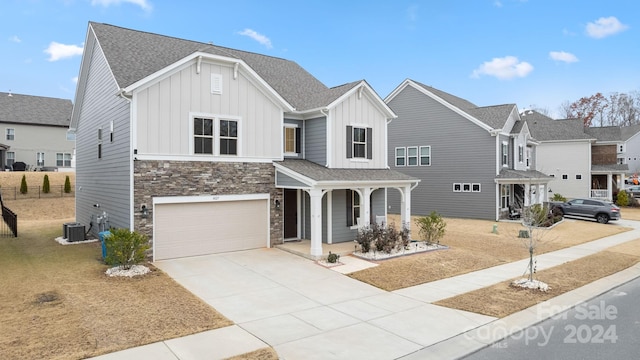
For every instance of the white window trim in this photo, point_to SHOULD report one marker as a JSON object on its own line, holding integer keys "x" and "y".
{"x": 504, "y": 153}
{"x": 420, "y": 155}
{"x": 354, "y": 219}
{"x": 353, "y": 143}
{"x": 459, "y": 187}
{"x": 521, "y": 155}
{"x": 396, "y": 157}
{"x": 479, "y": 187}
{"x": 284, "y": 140}
{"x": 216, "y": 134}
{"x": 417, "y": 155}
{"x": 13, "y": 134}
{"x": 38, "y": 158}
{"x": 466, "y": 187}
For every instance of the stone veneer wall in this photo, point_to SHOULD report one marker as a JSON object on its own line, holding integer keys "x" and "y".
{"x": 186, "y": 178}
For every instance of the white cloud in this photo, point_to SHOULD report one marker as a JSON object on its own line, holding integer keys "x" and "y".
{"x": 257, "y": 37}
{"x": 504, "y": 68}
{"x": 412, "y": 13}
{"x": 563, "y": 56}
{"x": 59, "y": 51}
{"x": 144, "y": 4}
{"x": 15, "y": 39}
{"x": 74, "y": 79}
{"x": 497, "y": 3}
{"x": 604, "y": 27}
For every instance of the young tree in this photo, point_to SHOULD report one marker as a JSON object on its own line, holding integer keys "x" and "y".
{"x": 432, "y": 227}
{"x": 67, "y": 185}
{"x": 46, "y": 187}
{"x": 23, "y": 185}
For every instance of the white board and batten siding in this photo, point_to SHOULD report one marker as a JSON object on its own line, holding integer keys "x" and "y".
{"x": 358, "y": 112}
{"x": 199, "y": 225}
{"x": 165, "y": 110}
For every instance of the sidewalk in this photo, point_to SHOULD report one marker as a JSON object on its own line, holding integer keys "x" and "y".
{"x": 320, "y": 313}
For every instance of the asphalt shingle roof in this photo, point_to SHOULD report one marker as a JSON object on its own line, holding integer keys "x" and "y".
{"x": 533, "y": 175}
{"x": 606, "y": 133}
{"x": 321, "y": 173}
{"x": 134, "y": 55}
{"x": 34, "y": 110}
{"x": 544, "y": 128}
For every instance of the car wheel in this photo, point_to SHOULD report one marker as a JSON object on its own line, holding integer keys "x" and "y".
{"x": 602, "y": 218}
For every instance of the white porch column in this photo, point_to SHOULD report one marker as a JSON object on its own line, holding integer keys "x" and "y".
{"x": 365, "y": 207}
{"x": 316, "y": 222}
{"x": 329, "y": 216}
{"x": 609, "y": 187}
{"x": 405, "y": 207}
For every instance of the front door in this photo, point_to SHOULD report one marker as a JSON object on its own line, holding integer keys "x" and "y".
{"x": 290, "y": 214}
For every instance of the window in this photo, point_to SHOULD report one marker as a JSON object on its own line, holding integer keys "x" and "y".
{"x": 578, "y": 177}
{"x": 565, "y": 176}
{"x": 216, "y": 83}
{"x": 412, "y": 156}
{"x": 99, "y": 143}
{"x": 71, "y": 136}
{"x": 400, "y": 156}
{"x": 505, "y": 193}
{"x": 359, "y": 142}
{"x": 291, "y": 140}
{"x": 11, "y": 158}
{"x": 520, "y": 153}
{"x": 353, "y": 207}
{"x": 466, "y": 187}
{"x": 475, "y": 187}
{"x": 63, "y": 159}
{"x": 40, "y": 159}
{"x": 425, "y": 155}
{"x": 202, "y": 136}
{"x": 505, "y": 154}
{"x": 228, "y": 137}
{"x": 457, "y": 187}
{"x": 111, "y": 132}
{"x": 11, "y": 134}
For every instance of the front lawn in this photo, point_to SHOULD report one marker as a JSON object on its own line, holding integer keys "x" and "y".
{"x": 57, "y": 303}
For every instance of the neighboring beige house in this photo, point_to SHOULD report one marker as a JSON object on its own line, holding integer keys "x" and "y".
{"x": 34, "y": 131}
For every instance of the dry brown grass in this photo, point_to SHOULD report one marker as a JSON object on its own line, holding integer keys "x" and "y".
{"x": 261, "y": 354}
{"x": 473, "y": 246}
{"x": 57, "y": 303}
{"x": 502, "y": 299}
{"x": 34, "y": 178}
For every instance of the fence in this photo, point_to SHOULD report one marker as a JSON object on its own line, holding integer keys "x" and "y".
{"x": 9, "y": 226}
{"x": 35, "y": 192}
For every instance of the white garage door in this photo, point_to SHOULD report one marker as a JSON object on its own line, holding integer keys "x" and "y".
{"x": 189, "y": 229}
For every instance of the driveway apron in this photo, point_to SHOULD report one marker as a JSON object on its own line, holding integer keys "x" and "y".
{"x": 306, "y": 311}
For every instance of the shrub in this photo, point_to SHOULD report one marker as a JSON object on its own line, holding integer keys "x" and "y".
{"x": 622, "y": 199}
{"x": 332, "y": 258}
{"x": 432, "y": 227}
{"x": 125, "y": 248}
{"x": 67, "y": 185}
{"x": 384, "y": 239}
{"x": 46, "y": 187}
{"x": 558, "y": 197}
{"x": 23, "y": 185}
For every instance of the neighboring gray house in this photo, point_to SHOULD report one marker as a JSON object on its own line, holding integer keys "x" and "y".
{"x": 209, "y": 149}
{"x": 474, "y": 162}
{"x": 629, "y": 150}
{"x": 34, "y": 131}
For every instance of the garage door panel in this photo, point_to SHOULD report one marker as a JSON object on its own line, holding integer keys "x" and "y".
{"x": 189, "y": 229}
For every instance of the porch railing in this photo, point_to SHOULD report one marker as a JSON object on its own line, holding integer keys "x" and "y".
{"x": 600, "y": 193}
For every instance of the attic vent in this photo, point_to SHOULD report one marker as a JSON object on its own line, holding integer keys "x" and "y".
{"x": 216, "y": 83}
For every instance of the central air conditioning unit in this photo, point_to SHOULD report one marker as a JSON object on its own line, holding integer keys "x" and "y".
{"x": 65, "y": 229}
{"x": 75, "y": 232}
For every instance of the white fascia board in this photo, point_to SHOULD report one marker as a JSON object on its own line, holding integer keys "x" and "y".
{"x": 207, "y": 198}
{"x": 193, "y": 57}
{"x": 451, "y": 107}
{"x": 372, "y": 95}
{"x": 397, "y": 90}
{"x": 294, "y": 175}
{"x": 203, "y": 158}
{"x": 338, "y": 184}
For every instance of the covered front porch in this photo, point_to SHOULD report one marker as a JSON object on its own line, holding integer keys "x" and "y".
{"x": 607, "y": 180}
{"x": 518, "y": 189}
{"x": 328, "y": 206}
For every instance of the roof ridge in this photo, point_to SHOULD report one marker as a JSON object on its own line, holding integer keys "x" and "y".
{"x": 38, "y": 96}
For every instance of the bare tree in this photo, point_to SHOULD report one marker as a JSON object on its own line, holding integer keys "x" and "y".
{"x": 616, "y": 109}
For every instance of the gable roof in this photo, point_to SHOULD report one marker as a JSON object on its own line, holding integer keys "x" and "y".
{"x": 134, "y": 55}
{"x": 489, "y": 117}
{"x": 544, "y": 128}
{"x": 605, "y": 133}
{"x": 34, "y": 110}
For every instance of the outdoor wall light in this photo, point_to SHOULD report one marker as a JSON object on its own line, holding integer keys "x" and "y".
{"x": 277, "y": 204}
{"x": 550, "y": 190}
{"x": 144, "y": 211}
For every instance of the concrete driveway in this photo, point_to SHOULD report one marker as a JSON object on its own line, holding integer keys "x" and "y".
{"x": 306, "y": 311}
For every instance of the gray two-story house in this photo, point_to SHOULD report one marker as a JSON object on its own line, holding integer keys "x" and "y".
{"x": 34, "y": 132}
{"x": 210, "y": 149}
{"x": 473, "y": 162}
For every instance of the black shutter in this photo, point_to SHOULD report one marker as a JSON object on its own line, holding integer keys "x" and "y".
{"x": 369, "y": 143}
{"x": 298, "y": 139}
{"x": 349, "y": 142}
{"x": 349, "y": 208}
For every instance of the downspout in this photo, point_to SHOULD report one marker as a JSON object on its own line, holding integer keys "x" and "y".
{"x": 325, "y": 112}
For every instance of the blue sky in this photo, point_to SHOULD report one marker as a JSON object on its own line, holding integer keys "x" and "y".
{"x": 534, "y": 53}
